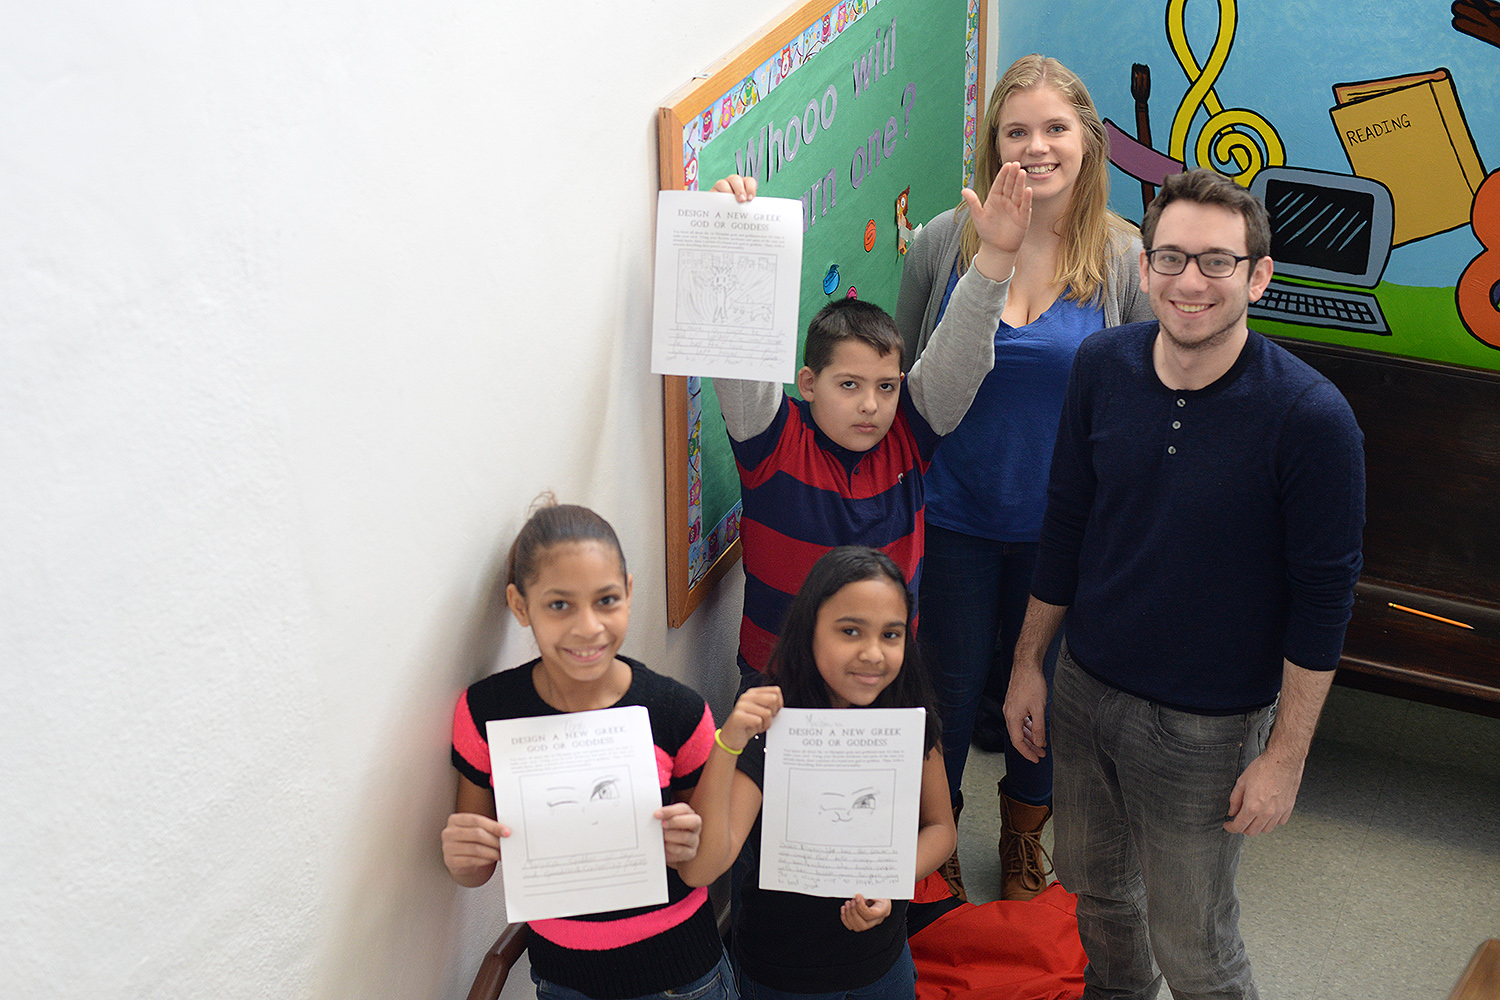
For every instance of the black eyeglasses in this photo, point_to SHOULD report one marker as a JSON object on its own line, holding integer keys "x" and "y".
{"x": 1212, "y": 264}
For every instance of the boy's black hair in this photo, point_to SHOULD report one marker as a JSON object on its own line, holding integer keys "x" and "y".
{"x": 1208, "y": 187}
{"x": 556, "y": 524}
{"x": 792, "y": 665}
{"x": 849, "y": 319}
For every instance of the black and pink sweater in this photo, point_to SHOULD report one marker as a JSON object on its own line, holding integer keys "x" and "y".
{"x": 624, "y": 953}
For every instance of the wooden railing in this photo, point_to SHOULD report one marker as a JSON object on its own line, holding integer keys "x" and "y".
{"x": 498, "y": 962}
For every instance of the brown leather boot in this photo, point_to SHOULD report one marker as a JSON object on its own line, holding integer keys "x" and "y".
{"x": 1024, "y": 862}
{"x": 949, "y": 869}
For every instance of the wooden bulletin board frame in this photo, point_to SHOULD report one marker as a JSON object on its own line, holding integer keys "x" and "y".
{"x": 698, "y": 553}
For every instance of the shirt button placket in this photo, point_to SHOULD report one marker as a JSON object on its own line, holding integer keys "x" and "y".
{"x": 1176, "y": 426}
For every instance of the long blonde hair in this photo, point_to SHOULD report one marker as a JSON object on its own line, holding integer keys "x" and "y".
{"x": 1091, "y": 233}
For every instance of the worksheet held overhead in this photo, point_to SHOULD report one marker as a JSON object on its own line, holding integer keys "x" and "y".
{"x": 727, "y": 286}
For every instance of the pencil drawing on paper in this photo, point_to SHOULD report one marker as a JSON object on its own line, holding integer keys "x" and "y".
{"x": 717, "y": 288}
{"x": 840, "y": 808}
{"x": 580, "y": 812}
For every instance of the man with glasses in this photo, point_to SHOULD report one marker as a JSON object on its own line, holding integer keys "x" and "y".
{"x": 1203, "y": 538}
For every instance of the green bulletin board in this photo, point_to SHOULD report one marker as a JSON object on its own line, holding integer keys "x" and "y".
{"x": 863, "y": 110}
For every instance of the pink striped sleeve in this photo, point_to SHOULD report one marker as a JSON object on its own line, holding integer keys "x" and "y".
{"x": 695, "y": 751}
{"x": 467, "y": 740}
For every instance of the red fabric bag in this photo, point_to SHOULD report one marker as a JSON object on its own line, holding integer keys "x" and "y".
{"x": 1003, "y": 951}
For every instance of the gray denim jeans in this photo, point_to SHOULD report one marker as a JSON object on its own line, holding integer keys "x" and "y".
{"x": 1141, "y": 794}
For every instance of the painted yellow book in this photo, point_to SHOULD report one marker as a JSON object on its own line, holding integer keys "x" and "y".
{"x": 1409, "y": 133}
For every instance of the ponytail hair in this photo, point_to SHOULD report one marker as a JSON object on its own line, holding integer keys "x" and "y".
{"x": 552, "y": 524}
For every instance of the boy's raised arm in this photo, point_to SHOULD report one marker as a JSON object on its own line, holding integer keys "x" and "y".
{"x": 961, "y": 352}
{"x": 748, "y": 407}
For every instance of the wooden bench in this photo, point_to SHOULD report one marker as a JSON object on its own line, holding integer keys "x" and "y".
{"x": 1432, "y": 526}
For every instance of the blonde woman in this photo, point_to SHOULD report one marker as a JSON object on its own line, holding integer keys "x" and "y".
{"x": 1076, "y": 272}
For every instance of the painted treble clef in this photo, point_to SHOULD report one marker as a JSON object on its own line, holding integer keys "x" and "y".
{"x": 1232, "y": 137}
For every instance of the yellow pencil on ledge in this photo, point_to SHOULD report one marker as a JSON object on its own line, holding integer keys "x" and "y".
{"x": 1429, "y": 614}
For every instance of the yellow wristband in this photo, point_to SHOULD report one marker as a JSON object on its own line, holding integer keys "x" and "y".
{"x": 720, "y": 740}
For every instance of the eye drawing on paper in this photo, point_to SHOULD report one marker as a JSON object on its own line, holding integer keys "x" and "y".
{"x": 840, "y": 808}
{"x": 843, "y": 808}
{"x": 581, "y": 812}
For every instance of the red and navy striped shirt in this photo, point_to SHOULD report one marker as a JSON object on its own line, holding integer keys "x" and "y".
{"x": 624, "y": 953}
{"x": 804, "y": 495}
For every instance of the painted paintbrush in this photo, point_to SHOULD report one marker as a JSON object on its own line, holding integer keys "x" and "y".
{"x": 1140, "y": 89}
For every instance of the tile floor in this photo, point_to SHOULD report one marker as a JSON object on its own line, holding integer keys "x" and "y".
{"x": 1387, "y": 876}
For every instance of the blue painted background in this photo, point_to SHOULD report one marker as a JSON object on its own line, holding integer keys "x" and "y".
{"x": 1285, "y": 59}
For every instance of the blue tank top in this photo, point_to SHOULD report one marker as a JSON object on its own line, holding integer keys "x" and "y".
{"x": 989, "y": 477}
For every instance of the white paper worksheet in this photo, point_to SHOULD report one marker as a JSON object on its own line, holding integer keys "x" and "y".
{"x": 577, "y": 792}
{"x": 728, "y": 280}
{"x": 840, "y": 802}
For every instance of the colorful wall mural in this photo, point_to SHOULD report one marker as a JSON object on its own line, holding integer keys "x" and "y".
{"x": 1371, "y": 130}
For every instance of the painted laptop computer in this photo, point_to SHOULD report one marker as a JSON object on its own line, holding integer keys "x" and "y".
{"x": 1330, "y": 234}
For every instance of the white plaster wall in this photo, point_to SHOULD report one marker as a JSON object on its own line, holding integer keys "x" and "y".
{"x": 300, "y": 306}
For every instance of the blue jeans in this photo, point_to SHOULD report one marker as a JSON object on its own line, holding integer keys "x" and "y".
{"x": 715, "y": 984}
{"x": 900, "y": 983}
{"x": 1142, "y": 796}
{"x": 974, "y": 589}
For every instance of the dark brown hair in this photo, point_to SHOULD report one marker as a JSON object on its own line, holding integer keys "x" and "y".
{"x": 849, "y": 319}
{"x": 1207, "y": 187}
{"x": 553, "y": 524}
{"x": 792, "y": 664}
